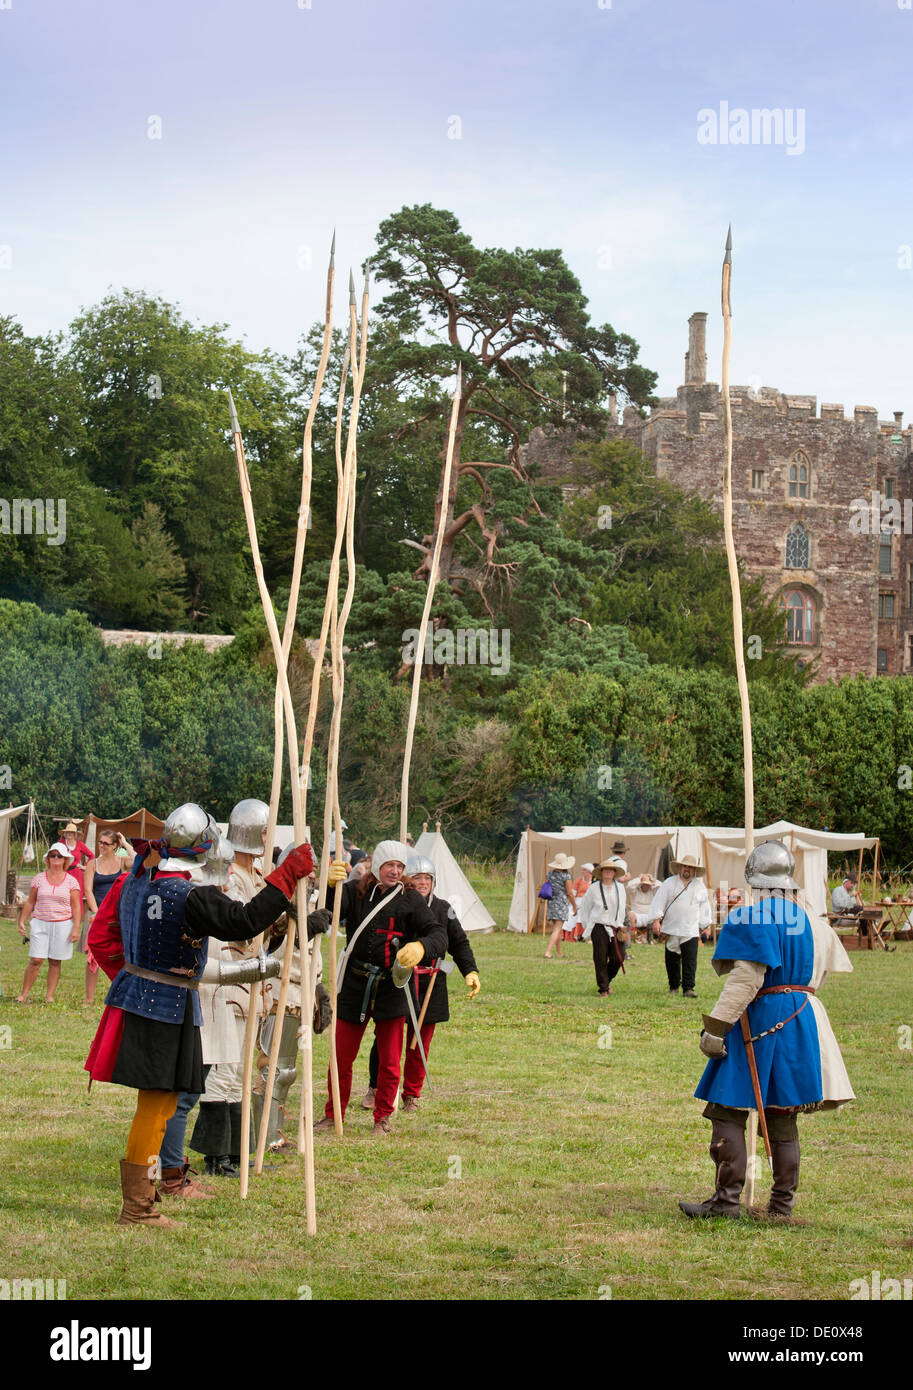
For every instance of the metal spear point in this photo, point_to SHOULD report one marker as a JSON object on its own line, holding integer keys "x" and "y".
{"x": 351, "y": 289}
{"x": 235, "y": 426}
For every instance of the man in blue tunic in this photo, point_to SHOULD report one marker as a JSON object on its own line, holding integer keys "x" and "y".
{"x": 775, "y": 957}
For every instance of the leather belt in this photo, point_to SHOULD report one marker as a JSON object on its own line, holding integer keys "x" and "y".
{"x": 161, "y": 978}
{"x": 782, "y": 989}
{"x": 371, "y": 974}
{"x": 785, "y": 989}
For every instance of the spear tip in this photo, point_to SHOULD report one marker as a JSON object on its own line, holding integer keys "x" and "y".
{"x": 333, "y": 248}
{"x": 351, "y": 288}
{"x": 727, "y": 259}
{"x": 235, "y": 426}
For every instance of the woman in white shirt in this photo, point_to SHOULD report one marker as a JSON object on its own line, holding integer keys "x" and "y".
{"x": 603, "y": 913}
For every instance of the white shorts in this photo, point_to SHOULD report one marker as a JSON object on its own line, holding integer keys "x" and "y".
{"x": 50, "y": 940}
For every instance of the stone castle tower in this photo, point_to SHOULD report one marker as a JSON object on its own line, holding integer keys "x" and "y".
{"x": 845, "y": 576}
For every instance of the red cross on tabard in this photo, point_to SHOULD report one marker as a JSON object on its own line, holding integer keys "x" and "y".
{"x": 391, "y": 934}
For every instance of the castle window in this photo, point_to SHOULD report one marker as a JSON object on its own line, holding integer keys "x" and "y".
{"x": 883, "y": 659}
{"x": 884, "y": 553}
{"x": 889, "y": 489}
{"x": 910, "y": 586}
{"x": 885, "y": 605}
{"x": 757, "y": 479}
{"x": 797, "y": 548}
{"x": 800, "y": 618}
{"x": 798, "y": 476}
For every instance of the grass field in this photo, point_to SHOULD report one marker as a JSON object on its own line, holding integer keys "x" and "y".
{"x": 547, "y": 1163}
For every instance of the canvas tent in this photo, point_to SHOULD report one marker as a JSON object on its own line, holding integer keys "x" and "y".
{"x": 7, "y": 817}
{"x": 451, "y": 883}
{"x": 721, "y": 849}
{"x": 142, "y": 825}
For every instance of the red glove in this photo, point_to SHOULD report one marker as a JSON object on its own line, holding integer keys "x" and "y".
{"x": 299, "y": 863}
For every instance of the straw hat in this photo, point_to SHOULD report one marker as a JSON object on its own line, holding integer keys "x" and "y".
{"x": 688, "y": 861}
{"x": 647, "y": 879}
{"x": 563, "y": 861}
{"x": 613, "y": 862}
{"x": 71, "y": 825}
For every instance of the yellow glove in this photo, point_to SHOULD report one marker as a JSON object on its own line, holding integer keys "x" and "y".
{"x": 338, "y": 873}
{"x": 474, "y": 983}
{"x": 413, "y": 953}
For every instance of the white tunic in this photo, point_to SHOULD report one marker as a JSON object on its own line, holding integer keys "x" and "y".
{"x": 683, "y": 909}
{"x": 611, "y": 915}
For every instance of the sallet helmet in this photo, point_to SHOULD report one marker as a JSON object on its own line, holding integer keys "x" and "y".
{"x": 247, "y": 825}
{"x": 771, "y": 866}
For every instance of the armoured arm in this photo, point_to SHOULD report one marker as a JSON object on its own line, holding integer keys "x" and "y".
{"x": 742, "y": 984}
{"x": 241, "y": 972}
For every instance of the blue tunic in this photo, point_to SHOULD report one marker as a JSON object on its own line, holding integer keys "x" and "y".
{"x": 776, "y": 933}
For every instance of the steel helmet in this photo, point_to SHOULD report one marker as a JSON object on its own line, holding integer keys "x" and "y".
{"x": 771, "y": 866}
{"x": 420, "y": 864}
{"x": 247, "y": 824}
{"x": 186, "y": 836}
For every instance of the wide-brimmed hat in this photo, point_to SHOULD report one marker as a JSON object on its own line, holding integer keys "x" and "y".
{"x": 648, "y": 878}
{"x": 688, "y": 861}
{"x": 612, "y": 862}
{"x": 70, "y": 825}
{"x": 563, "y": 861}
{"x": 619, "y": 847}
{"x": 62, "y": 849}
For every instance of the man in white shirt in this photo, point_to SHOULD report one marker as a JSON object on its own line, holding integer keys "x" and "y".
{"x": 603, "y": 913}
{"x": 845, "y": 898}
{"x": 680, "y": 909}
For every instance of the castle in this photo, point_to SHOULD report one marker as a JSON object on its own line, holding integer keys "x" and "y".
{"x": 816, "y": 506}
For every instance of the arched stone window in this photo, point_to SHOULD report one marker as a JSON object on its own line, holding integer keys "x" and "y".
{"x": 800, "y": 618}
{"x": 797, "y": 548}
{"x": 799, "y": 476}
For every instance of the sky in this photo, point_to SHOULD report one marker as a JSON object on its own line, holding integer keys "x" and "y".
{"x": 204, "y": 150}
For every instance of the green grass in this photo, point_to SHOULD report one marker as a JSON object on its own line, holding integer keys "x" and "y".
{"x": 571, "y": 1156}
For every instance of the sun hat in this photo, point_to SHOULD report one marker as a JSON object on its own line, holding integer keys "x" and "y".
{"x": 562, "y": 861}
{"x": 61, "y": 849}
{"x": 688, "y": 861}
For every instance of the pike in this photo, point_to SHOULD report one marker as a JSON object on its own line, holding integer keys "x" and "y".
{"x": 426, "y": 611}
{"x": 291, "y": 735}
{"x": 739, "y": 645}
{"x": 307, "y": 1001}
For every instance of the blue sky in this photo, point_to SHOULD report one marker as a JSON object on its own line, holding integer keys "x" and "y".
{"x": 578, "y": 128}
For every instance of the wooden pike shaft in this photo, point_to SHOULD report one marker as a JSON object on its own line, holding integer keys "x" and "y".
{"x": 426, "y": 611}
{"x": 292, "y": 739}
{"x": 739, "y": 648}
{"x": 340, "y": 619}
{"x": 735, "y": 586}
{"x": 305, "y": 1122}
{"x": 307, "y": 472}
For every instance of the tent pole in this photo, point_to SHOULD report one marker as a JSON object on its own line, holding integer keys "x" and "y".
{"x": 529, "y": 878}
{"x": 875, "y": 873}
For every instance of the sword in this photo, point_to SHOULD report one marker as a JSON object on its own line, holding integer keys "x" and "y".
{"x": 440, "y": 965}
{"x": 756, "y": 1083}
{"x": 401, "y": 976}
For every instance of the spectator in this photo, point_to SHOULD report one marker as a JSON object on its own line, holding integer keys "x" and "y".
{"x": 558, "y": 906}
{"x": 640, "y": 896}
{"x": 574, "y": 927}
{"x": 54, "y": 898}
{"x": 100, "y": 874}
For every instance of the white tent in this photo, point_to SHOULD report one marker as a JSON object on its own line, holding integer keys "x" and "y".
{"x": 7, "y": 816}
{"x": 451, "y": 883}
{"x": 721, "y": 849}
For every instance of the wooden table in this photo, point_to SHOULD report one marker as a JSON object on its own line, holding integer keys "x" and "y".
{"x": 899, "y": 915}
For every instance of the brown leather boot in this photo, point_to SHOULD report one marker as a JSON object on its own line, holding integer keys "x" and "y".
{"x": 139, "y": 1198}
{"x": 785, "y": 1157}
{"x": 410, "y": 1103}
{"x": 729, "y": 1153}
{"x": 177, "y": 1182}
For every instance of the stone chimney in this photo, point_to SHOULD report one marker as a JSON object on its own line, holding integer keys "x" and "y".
{"x": 696, "y": 356}
{"x": 898, "y": 420}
